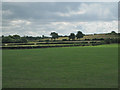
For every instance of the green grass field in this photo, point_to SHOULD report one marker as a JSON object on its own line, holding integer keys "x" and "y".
{"x": 68, "y": 67}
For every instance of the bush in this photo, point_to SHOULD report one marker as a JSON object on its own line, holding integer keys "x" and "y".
{"x": 87, "y": 39}
{"x": 114, "y": 40}
{"x": 107, "y": 41}
{"x": 41, "y": 41}
{"x": 46, "y": 41}
{"x": 64, "y": 39}
{"x": 98, "y": 39}
{"x": 23, "y": 40}
{"x": 92, "y": 42}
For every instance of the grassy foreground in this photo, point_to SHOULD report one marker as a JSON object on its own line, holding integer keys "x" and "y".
{"x": 70, "y": 67}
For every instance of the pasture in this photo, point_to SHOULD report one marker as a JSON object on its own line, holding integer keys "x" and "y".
{"x": 65, "y": 67}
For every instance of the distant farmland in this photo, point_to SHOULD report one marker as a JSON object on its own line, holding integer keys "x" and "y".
{"x": 61, "y": 41}
{"x": 92, "y": 36}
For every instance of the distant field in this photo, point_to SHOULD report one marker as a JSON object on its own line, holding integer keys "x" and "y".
{"x": 98, "y": 36}
{"x": 68, "y": 67}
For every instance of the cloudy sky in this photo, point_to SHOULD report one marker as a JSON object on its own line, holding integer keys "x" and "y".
{"x": 42, "y": 18}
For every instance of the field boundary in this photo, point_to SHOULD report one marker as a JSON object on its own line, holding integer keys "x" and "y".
{"x": 32, "y": 47}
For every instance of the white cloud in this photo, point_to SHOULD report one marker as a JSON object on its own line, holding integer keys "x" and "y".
{"x": 31, "y": 33}
{"x": 7, "y": 12}
{"x": 99, "y": 27}
{"x": 20, "y": 22}
{"x": 24, "y": 27}
{"x": 71, "y": 13}
{"x": 63, "y": 28}
{"x": 96, "y": 9}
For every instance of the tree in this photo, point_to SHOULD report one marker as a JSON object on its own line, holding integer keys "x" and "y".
{"x": 43, "y": 36}
{"x": 79, "y": 35}
{"x": 54, "y": 35}
{"x": 72, "y": 36}
{"x": 16, "y": 36}
{"x": 14, "y": 39}
{"x": 107, "y": 41}
{"x": 7, "y": 40}
{"x": 113, "y": 33}
{"x": 23, "y": 40}
{"x": 2, "y": 36}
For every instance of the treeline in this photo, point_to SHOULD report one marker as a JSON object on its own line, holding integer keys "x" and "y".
{"x": 14, "y": 39}
{"x": 71, "y": 36}
{"x": 54, "y": 36}
{"x": 112, "y": 40}
{"x": 25, "y": 39}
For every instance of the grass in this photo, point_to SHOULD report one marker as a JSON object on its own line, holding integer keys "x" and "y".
{"x": 39, "y": 45}
{"x": 69, "y": 67}
{"x": 107, "y": 45}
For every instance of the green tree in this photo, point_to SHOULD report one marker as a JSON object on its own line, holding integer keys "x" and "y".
{"x": 113, "y": 33}
{"x": 54, "y": 35}
{"x": 107, "y": 41}
{"x": 16, "y": 36}
{"x": 72, "y": 36}
{"x": 7, "y": 39}
{"x": 24, "y": 40}
{"x": 2, "y": 36}
{"x": 79, "y": 35}
{"x": 43, "y": 36}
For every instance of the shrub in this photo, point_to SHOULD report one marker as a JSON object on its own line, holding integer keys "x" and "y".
{"x": 64, "y": 39}
{"x": 87, "y": 39}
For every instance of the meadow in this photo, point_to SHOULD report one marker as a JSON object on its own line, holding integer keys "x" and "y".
{"x": 65, "y": 67}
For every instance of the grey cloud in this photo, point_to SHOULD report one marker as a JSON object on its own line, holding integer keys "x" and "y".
{"x": 48, "y": 11}
{"x": 38, "y": 18}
